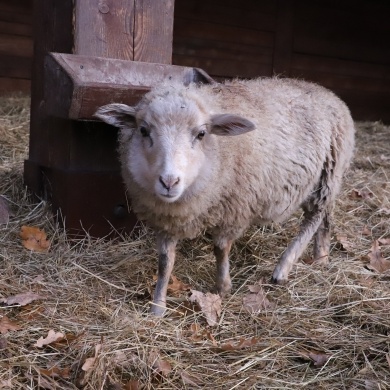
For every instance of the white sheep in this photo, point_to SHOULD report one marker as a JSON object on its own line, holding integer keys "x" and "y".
{"x": 185, "y": 173}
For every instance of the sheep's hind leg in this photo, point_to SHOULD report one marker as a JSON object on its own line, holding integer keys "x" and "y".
{"x": 291, "y": 255}
{"x": 221, "y": 252}
{"x": 166, "y": 259}
{"x": 322, "y": 241}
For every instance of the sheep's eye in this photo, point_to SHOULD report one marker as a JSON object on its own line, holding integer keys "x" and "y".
{"x": 200, "y": 135}
{"x": 144, "y": 131}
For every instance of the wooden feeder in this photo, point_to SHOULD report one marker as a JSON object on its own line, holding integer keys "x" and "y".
{"x": 89, "y": 53}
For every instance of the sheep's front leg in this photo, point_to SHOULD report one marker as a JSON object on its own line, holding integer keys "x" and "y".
{"x": 221, "y": 252}
{"x": 166, "y": 258}
{"x": 291, "y": 255}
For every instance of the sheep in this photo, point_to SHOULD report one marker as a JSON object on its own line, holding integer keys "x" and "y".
{"x": 225, "y": 156}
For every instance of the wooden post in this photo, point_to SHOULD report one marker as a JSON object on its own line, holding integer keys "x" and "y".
{"x": 74, "y": 163}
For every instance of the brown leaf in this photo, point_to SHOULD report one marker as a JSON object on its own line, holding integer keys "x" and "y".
{"x": 242, "y": 343}
{"x": 199, "y": 334}
{"x": 210, "y": 304}
{"x": 6, "y": 325}
{"x": 159, "y": 365}
{"x": 51, "y": 338}
{"x": 90, "y": 362}
{"x": 177, "y": 286}
{"x": 131, "y": 385}
{"x": 344, "y": 242}
{"x": 56, "y": 372}
{"x": 34, "y": 239}
{"x": 318, "y": 358}
{"x": 377, "y": 261}
{"x": 22, "y": 299}
{"x": 256, "y": 300}
{"x": 361, "y": 194}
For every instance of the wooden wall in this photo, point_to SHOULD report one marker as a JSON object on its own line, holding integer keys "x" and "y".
{"x": 16, "y": 45}
{"x": 343, "y": 45}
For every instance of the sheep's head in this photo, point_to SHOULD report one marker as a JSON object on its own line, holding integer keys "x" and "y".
{"x": 169, "y": 139}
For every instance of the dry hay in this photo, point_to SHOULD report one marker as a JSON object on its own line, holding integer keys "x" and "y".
{"x": 328, "y": 328}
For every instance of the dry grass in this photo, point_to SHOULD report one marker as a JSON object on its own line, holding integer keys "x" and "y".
{"x": 97, "y": 294}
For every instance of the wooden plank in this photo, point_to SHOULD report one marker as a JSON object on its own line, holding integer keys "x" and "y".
{"x": 12, "y": 17}
{"x": 204, "y": 30}
{"x": 15, "y": 66}
{"x": 304, "y": 62}
{"x": 90, "y": 82}
{"x": 284, "y": 38}
{"x": 104, "y": 29}
{"x": 153, "y": 31}
{"x": 16, "y": 6}
{"x": 15, "y": 28}
{"x": 16, "y": 45}
{"x": 211, "y": 49}
{"x": 53, "y": 31}
{"x": 222, "y": 13}
{"x": 8, "y": 85}
{"x": 333, "y": 81}
{"x": 225, "y": 68}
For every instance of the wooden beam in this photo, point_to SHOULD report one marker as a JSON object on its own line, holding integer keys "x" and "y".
{"x": 87, "y": 83}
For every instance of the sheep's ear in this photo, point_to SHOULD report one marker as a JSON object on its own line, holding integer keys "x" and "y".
{"x": 228, "y": 124}
{"x": 119, "y": 115}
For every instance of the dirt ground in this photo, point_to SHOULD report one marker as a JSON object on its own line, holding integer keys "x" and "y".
{"x": 75, "y": 314}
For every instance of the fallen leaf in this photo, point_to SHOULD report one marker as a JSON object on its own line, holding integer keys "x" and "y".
{"x": 177, "y": 286}
{"x": 22, "y": 299}
{"x": 377, "y": 261}
{"x": 361, "y": 194}
{"x": 210, "y": 305}
{"x": 256, "y": 300}
{"x": 159, "y": 365}
{"x": 199, "y": 334}
{"x": 344, "y": 242}
{"x": 318, "y": 358}
{"x": 131, "y": 385}
{"x": 34, "y": 239}
{"x": 4, "y": 212}
{"x": 388, "y": 359}
{"x": 56, "y": 372}
{"x": 90, "y": 362}
{"x": 242, "y": 343}
{"x": 6, "y": 325}
{"x": 52, "y": 337}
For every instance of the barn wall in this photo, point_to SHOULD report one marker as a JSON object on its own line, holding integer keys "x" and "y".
{"x": 16, "y": 45}
{"x": 343, "y": 45}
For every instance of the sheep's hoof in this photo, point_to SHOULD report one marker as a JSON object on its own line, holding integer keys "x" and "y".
{"x": 277, "y": 281}
{"x": 157, "y": 310}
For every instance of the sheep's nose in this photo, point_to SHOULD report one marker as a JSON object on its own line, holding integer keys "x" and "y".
{"x": 169, "y": 181}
